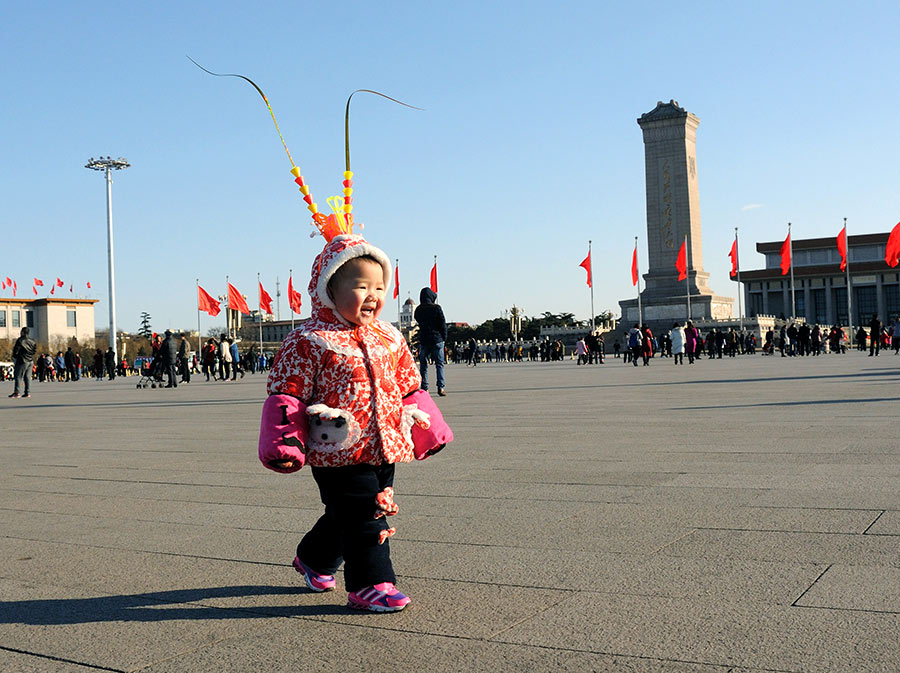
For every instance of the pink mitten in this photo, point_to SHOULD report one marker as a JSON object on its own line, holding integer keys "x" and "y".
{"x": 428, "y": 441}
{"x": 283, "y": 432}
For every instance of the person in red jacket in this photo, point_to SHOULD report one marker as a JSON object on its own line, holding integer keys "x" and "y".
{"x": 348, "y": 372}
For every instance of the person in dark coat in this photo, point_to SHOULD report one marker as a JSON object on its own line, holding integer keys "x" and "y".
{"x": 110, "y": 362}
{"x": 432, "y": 335}
{"x": 875, "y": 328}
{"x": 23, "y": 363}
{"x": 183, "y": 354}
{"x": 168, "y": 351}
{"x": 69, "y": 359}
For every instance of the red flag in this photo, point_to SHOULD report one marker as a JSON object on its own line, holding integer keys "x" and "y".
{"x": 70, "y": 288}
{"x": 4, "y": 284}
{"x": 265, "y": 301}
{"x": 842, "y": 247}
{"x": 8, "y": 281}
{"x": 786, "y": 256}
{"x": 634, "y": 269}
{"x": 236, "y": 301}
{"x": 89, "y": 285}
{"x": 733, "y": 255}
{"x": 587, "y": 267}
{"x": 206, "y": 303}
{"x": 38, "y": 282}
{"x": 396, "y": 282}
{"x": 891, "y": 252}
{"x": 433, "y": 279}
{"x": 34, "y": 288}
{"x": 53, "y": 290}
{"x": 294, "y": 298}
{"x": 59, "y": 283}
{"x": 681, "y": 261}
{"x": 15, "y": 288}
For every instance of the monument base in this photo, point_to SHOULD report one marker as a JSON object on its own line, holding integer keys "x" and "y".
{"x": 661, "y": 312}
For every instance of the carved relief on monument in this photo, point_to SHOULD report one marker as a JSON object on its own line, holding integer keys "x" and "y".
{"x": 666, "y": 206}
{"x": 692, "y": 167}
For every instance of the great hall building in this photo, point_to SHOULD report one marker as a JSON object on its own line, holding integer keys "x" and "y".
{"x": 820, "y": 287}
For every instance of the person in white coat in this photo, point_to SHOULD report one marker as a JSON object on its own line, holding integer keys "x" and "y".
{"x": 678, "y": 343}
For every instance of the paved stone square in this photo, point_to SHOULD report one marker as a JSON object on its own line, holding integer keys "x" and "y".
{"x": 735, "y": 515}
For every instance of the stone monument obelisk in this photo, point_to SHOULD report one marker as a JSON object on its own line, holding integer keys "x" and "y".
{"x": 673, "y": 212}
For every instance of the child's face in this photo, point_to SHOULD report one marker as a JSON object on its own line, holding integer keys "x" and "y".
{"x": 358, "y": 291}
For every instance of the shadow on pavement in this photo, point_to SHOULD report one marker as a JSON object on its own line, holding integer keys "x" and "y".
{"x": 159, "y": 606}
{"x": 801, "y": 403}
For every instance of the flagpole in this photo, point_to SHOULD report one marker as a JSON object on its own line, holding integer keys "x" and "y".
{"x": 687, "y": 277}
{"x": 847, "y": 268}
{"x": 199, "y": 337}
{"x": 227, "y": 308}
{"x": 397, "y": 288}
{"x": 591, "y": 276}
{"x": 737, "y": 263}
{"x": 435, "y": 270}
{"x": 290, "y": 299}
{"x": 259, "y": 286}
{"x": 640, "y": 311}
{"x": 791, "y": 253}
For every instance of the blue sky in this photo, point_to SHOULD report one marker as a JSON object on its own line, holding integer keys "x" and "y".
{"x": 528, "y": 146}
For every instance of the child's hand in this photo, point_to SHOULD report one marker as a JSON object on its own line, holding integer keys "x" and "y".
{"x": 282, "y": 464}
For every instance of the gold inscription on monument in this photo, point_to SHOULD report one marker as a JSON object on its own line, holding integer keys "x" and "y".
{"x": 666, "y": 220}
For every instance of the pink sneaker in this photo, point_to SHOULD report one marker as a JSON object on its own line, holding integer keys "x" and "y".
{"x": 314, "y": 581}
{"x": 382, "y": 597}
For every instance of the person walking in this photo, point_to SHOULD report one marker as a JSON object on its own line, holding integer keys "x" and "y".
{"x": 69, "y": 359}
{"x": 677, "y": 337}
{"x": 225, "y": 358}
{"x": 183, "y": 356}
{"x": 209, "y": 358}
{"x": 23, "y": 363}
{"x": 168, "y": 353}
{"x": 235, "y": 360}
{"x": 110, "y": 362}
{"x": 635, "y": 342}
{"x": 432, "y": 334}
{"x": 875, "y": 328}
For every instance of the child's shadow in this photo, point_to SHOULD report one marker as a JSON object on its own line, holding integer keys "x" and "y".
{"x": 159, "y": 606}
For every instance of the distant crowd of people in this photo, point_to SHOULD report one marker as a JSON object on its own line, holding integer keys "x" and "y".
{"x": 171, "y": 360}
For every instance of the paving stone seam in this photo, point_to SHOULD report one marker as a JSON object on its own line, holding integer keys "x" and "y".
{"x": 136, "y": 481}
{"x": 806, "y": 591}
{"x": 866, "y": 531}
{"x": 39, "y": 655}
{"x": 671, "y": 542}
{"x": 842, "y": 609}
{"x": 146, "y": 551}
{"x": 728, "y": 667}
{"x": 795, "y": 531}
{"x": 191, "y": 502}
{"x": 103, "y": 517}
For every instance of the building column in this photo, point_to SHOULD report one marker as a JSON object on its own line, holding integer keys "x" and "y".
{"x": 807, "y": 296}
{"x": 879, "y": 298}
{"x": 829, "y": 302}
{"x": 765, "y": 296}
{"x": 786, "y": 297}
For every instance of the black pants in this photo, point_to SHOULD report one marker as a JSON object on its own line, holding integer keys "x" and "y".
{"x": 347, "y": 531}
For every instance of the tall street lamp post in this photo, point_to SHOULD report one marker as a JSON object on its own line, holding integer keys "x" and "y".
{"x": 108, "y": 165}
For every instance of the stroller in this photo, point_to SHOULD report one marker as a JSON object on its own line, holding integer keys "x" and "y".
{"x": 151, "y": 373}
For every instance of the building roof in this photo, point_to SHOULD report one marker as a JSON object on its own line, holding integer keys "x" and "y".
{"x": 814, "y": 271}
{"x": 818, "y": 243}
{"x": 409, "y": 302}
{"x": 45, "y": 301}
